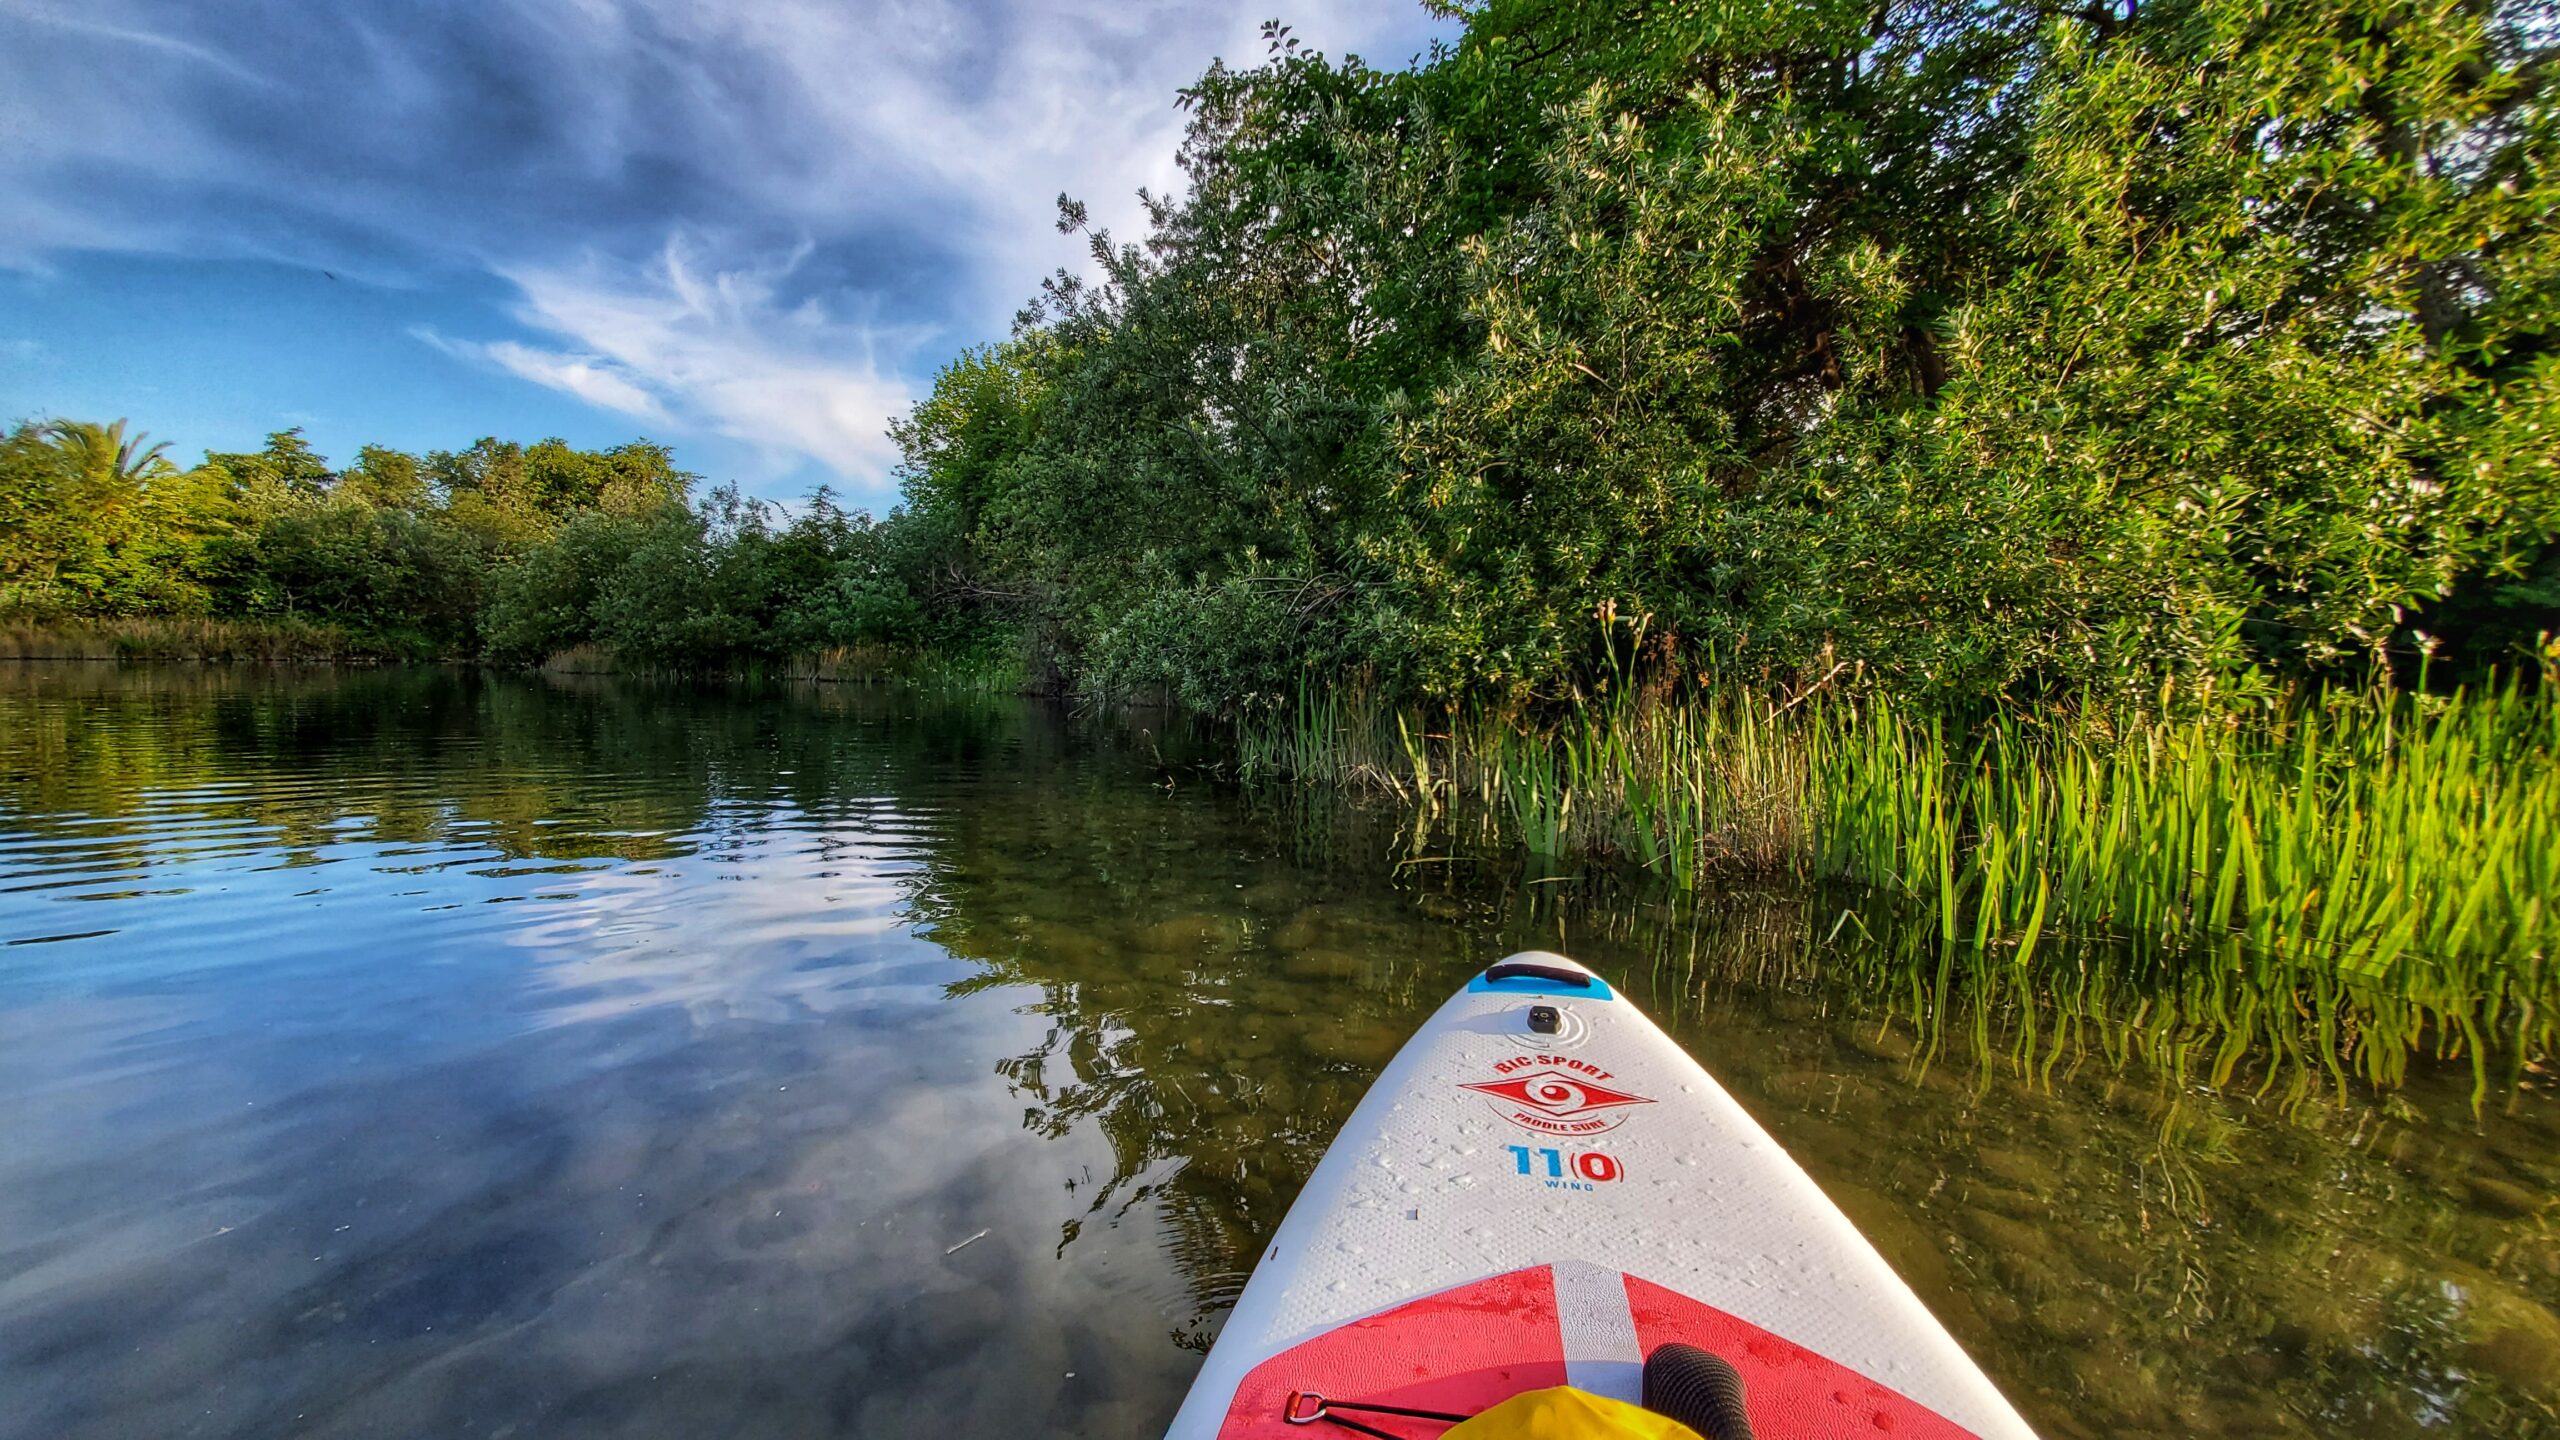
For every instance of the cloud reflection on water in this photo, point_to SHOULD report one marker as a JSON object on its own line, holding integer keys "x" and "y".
{"x": 496, "y": 1056}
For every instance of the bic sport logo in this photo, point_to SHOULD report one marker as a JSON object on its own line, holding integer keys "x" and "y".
{"x": 1558, "y": 1104}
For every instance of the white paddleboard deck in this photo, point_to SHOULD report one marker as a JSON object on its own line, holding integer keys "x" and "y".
{"x": 1508, "y": 1210}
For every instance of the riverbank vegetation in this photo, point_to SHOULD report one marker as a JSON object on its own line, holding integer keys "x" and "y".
{"x": 1976, "y": 357}
{"x": 520, "y": 555}
{"x": 179, "y": 638}
{"x": 2050, "y": 463}
{"x": 1973, "y": 357}
{"x": 2385, "y": 861}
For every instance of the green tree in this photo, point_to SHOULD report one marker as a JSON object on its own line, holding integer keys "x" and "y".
{"x": 95, "y": 521}
{"x": 288, "y": 469}
{"x": 1972, "y": 352}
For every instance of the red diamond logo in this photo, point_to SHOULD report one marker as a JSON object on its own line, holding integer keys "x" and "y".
{"x": 1553, "y": 1103}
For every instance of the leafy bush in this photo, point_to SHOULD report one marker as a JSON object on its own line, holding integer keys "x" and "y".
{"x": 1979, "y": 353}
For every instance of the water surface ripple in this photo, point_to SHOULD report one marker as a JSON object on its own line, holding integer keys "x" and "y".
{"x": 421, "y": 1054}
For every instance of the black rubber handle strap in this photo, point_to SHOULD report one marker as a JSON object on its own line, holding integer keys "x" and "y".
{"x": 1523, "y": 970}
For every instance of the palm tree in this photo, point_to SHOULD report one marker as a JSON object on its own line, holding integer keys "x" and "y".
{"x": 105, "y": 458}
{"x": 69, "y": 481}
{"x": 104, "y": 471}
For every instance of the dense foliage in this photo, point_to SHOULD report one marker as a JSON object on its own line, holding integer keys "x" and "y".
{"x": 1963, "y": 351}
{"x": 1977, "y": 351}
{"x": 393, "y": 549}
{"x": 510, "y": 551}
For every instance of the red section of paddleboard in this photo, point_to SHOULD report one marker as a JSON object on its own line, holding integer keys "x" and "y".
{"x": 1461, "y": 1351}
{"x": 1792, "y": 1393}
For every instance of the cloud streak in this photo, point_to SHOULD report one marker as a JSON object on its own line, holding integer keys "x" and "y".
{"x": 590, "y": 378}
{"x": 723, "y": 349}
{"x": 598, "y": 383}
{"x": 764, "y": 219}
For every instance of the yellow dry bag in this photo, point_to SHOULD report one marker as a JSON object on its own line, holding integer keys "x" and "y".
{"x": 1564, "y": 1413}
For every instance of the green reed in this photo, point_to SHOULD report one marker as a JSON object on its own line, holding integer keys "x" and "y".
{"x": 140, "y": 638}
{"x": 2388, "y": 863}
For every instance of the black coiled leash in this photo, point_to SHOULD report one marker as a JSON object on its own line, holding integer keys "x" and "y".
{"x": 1305, "y": 1407}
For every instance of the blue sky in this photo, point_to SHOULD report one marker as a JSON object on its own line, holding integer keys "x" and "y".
{"x": 751, "y": 228}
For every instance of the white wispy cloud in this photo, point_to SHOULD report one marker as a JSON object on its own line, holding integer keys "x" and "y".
{"x": 687, "y": 340}
{"x": 33, "y": 12}
{"x": 597, "y": 382}
{"x": 761, "y": 219}
{"x": 590, "y": 378}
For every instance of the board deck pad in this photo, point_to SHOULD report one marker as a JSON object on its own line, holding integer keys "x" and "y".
{"x": 1508, "y": 1210}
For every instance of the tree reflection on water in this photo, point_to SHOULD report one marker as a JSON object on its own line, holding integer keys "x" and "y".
{"x": 2142, "y": 1189}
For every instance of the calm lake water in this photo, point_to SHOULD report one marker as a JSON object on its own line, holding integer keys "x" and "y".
{"x": 421, "y": 1054}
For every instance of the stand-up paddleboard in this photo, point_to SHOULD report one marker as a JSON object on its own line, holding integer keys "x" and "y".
{"x": 1543, "y": 1189}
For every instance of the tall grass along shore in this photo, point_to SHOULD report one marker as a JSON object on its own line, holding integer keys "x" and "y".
{"x": 2385, "y": 861}
{"x": 168, "y": 637}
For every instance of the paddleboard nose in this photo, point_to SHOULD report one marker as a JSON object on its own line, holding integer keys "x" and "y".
{"x": 1546, "y": 958}
{"x": 1540, "y": 972}
{"x": 1543, "y": 1189}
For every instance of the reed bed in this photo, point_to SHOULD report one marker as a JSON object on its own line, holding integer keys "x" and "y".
{"x": 181, "y": 638}
{"x": 2385, "y": 864}
{"x": 985, "y": 674}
